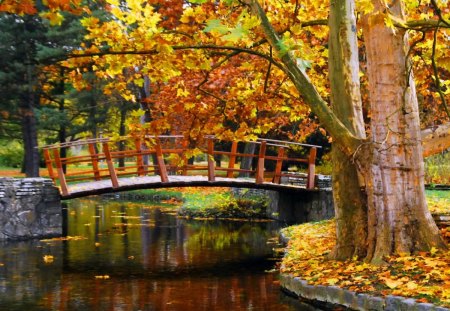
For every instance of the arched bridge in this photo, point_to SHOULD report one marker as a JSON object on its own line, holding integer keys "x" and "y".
{"x": 102, "y": 165}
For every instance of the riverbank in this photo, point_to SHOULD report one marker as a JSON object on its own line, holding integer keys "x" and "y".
{"x": 419, "y": 282}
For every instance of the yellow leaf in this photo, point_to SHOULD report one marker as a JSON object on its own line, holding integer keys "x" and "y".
{"x": 104, "y": 277}
{"x": 392, "y": 283}
{"x": 411, "y": 285}
{"x": 48, "y": 258}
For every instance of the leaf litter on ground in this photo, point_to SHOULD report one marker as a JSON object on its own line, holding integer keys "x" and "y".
{"x": 424, "y": 276}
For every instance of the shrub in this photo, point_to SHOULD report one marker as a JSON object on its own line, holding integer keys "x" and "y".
{"x": 11, "y": 153}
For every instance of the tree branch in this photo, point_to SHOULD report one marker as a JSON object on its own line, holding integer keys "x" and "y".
{"x": 329, "y": 120}
{"x": 437, "y": 81}
{"x": 436, "y": 140}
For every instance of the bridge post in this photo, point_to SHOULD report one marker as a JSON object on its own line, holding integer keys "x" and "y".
{"x": 210, "y": 155}
{"x": 161, "y": 165}
{"x": 60, "y": 171}
{"x": 279, "y": 165}
{"x": 94, "y": 159}
{"x": 111, "y": 169}
{"x": 260, "y": 168}
{"x": 139, "y": 159}
{"x": 49, "y": 164}
{"x": 311, "y": 168}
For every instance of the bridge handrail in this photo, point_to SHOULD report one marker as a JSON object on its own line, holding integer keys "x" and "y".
{"x": 158, "y": 150}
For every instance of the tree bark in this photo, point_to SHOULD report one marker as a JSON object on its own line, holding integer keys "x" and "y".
{"x": 350, "y": 202}
{"x": 398, "y": 217}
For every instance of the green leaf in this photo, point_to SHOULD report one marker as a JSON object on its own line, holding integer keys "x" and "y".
{"x": 215, "y": 25}
{"x": 235, "y": 34}
{"x": 197, "y": 1}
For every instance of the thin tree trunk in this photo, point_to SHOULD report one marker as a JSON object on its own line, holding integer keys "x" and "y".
{"x": 29, "y": 128}
{"x": 398, "y": 217}
{"x": 246, "y": 162}
{"x": 349, "y": 201}
{"x": 62, "y": 131}
{"x": 122, "y": 132}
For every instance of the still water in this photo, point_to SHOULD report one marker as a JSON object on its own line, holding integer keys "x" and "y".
{"x": 122, "y": 255}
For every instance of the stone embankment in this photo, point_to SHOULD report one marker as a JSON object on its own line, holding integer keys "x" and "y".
{"x": 29, "y": 208}
{"x": 333, "y": 295}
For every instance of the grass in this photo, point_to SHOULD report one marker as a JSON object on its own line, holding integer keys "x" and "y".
{"x": 438, "y": 201}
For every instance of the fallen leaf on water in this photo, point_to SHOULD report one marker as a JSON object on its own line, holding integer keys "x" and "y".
{"x": 104, "y": 277}
{"x": 48, "y": 258}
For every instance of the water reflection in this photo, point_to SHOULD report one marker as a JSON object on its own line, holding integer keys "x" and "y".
{"x": 133, "y": 256}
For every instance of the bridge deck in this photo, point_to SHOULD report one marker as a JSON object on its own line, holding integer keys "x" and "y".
{"x": 149, "y": 182}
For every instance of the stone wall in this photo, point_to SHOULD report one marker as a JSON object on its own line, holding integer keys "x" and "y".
{"x": 29, "y": 208}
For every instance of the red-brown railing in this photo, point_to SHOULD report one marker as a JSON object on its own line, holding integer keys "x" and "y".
{"x": 169, "y": 155}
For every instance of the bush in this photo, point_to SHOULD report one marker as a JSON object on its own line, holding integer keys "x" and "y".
{"x": 11, "y": 153}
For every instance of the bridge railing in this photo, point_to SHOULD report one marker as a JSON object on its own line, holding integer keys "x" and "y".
{"x": 166, "y": 155}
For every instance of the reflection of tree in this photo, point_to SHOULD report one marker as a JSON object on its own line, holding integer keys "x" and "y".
{"x": 233, "y": 292}
{"x": 220, "y": 236}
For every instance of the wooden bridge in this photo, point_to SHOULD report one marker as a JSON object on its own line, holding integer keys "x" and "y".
{"x": 95, "y": 166}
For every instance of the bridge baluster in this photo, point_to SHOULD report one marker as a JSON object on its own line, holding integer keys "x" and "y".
{"x": 60, "y": 171}
{"x": 109, "y": 162}
{"x": 279, "y": 165}
{"x": 211, "y": 175}
{"x": 94, "y": 159}
{"x": 260, "y": 168}
{"x": 160, "y": 159}
{"x": 311, "y": 168}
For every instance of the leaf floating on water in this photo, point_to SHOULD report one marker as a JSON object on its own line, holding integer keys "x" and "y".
{"x": 1, "y": 264}
{"x": 102, "y": 277}
{"x": 48, "y": 258}
{"x": 65, "y": 238}
{"x": 97, "y": 244}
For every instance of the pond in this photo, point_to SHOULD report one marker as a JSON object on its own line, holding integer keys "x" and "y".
{"x": 121, "y": 255}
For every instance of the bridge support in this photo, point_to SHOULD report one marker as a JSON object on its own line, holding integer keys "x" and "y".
{"x": 296, "y": 208}
{"x": 29, "y": 208}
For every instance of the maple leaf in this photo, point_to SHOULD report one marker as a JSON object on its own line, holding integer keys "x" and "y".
{"x": 215, "y": 25}
{"x": 236, "y": 34}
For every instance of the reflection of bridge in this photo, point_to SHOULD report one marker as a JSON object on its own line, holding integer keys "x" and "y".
{"x": 106, "y": 165}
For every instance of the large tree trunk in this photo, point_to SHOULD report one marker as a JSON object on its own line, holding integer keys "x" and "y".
{"x": 349, "y": 200}
{"x": 391, "y": 165}
{"x": 398, "y": 217}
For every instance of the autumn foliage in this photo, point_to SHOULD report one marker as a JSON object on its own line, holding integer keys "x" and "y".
{"x": 425, "y": 276}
